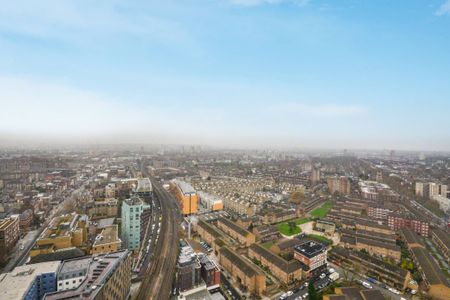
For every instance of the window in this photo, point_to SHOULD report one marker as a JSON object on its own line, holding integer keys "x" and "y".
{"x": 73, "y": 281}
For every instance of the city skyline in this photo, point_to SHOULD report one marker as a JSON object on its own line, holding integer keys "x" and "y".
{"x": 238, "y": 73}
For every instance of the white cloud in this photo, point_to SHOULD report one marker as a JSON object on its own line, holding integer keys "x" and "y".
{"x": 81, "y": 22}
{"x": 444, "y": 9}
{"x": 260, "y": 2}
{"x": 318, "y": 110}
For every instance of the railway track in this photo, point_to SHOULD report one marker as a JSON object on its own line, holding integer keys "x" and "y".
{"x": 159, "y": 277}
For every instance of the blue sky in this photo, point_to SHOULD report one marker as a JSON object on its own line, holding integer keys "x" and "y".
{"x": 237, "y": 73}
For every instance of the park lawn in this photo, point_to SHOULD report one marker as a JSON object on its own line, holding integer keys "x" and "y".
{"x": 284, "y": 229}
{"x": 301, "y": 221}
{"x": 322, "y": 211}
{"x": 321, "y": 239}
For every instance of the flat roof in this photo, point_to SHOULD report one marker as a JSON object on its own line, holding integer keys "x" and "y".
{"x": 185, "y": 187}
{"x": 15, "y": 284}
{"x": 134, "y": 201}
{"x": 310, "y": 248}
{"x": 144, "y": 185}
{"x": 76, "y": 264}
{"x": 109, "y": 234}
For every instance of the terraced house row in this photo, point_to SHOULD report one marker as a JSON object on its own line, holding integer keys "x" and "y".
{"x": 435, "y": 281}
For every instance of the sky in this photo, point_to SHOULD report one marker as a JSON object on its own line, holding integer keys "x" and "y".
{"x": 356, "y": 74}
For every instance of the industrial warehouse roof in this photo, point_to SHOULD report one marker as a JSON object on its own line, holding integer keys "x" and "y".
{"x": 240, "y": 263}
{"x": 443, "y": 236}
{"x": 278, "y": 261}
{"x": 430, "y": 268}
{"x": 233, "y": 226}
{"x": 411, "y": 237}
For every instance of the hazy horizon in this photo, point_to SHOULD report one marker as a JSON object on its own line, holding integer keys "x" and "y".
{"x": 227, "y": 73}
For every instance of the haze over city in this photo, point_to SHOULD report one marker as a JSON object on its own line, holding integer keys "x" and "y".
{"x": 228, "y": 73}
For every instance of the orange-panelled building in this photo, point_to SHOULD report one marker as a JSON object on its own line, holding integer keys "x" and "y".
{"x": 186, "y": 195}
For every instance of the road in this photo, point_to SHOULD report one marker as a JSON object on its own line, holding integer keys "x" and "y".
{"x": 158, "y": 279}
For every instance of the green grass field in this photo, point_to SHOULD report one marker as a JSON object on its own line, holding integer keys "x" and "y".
{"x": 284, "y": 229}
{"x": 322, "y": 211}
{"x": 301, "y": 221}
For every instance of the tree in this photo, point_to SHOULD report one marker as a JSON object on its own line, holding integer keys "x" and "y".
{"x": 312, "y": 293}
{"x": 292, "y": 226}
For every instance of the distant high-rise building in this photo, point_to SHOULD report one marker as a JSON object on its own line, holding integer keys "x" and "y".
{"x": 339, "y": 185}
{"x": 315, "y": 175}
{"x": 430, "y": 189}
{"x": 132, "y": 210}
